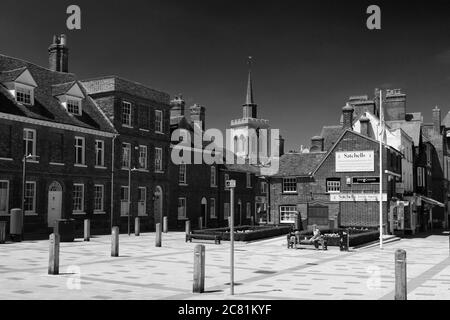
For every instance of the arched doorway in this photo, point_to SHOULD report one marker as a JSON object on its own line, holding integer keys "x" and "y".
{"x": 54, "y": 208}
{"x": 204, "y": 211}
{"x": 158, "y": 204}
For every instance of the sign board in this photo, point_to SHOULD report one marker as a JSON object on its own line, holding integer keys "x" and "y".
{"x": 365, "y": 180}
{"x": 355, "y": 161}
{"x": 358, "y": 197}
{"x": 230, "y": 183}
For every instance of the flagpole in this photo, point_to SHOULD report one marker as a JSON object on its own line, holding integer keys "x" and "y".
{"x": 381, "y": 168}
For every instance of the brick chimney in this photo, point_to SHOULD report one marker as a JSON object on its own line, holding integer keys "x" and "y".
{"x": 364, "y": 124}
{"x": 317, "y": 143}
{"x": 437, "y": 119}
{"x": 177, "y": 107}
{"x": 347, "y": 113}
{"x": 58, "y": 54}
{"x": 198, "y": 115}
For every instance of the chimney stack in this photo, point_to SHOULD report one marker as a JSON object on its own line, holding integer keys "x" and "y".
{"x": 347, "y": 113}
{"x": 58, "y": 54}
{"x": 177, "y": 107}
{"x": 317, "y": 144}
{"x": 437, "y": 119}
{"x": 364, "y": 125}
{"x": 198, "y": 115}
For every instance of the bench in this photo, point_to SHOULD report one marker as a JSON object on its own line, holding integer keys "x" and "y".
{"x": 296, "y": 241}
{"x": 198, "y": 236}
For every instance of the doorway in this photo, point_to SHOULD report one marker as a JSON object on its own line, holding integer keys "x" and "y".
{"x": 54, "y": 212}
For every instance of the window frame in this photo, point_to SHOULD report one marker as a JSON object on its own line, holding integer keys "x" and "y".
{"x": 78, "y": 106}
{"x": 77, "y": 211}
{"x": 248, "y": 179}
{"x": 83, "y": 150}
{"x": 102, "y": 149}
{"x": 33, "y": 211}
{"x": 22, "y": 87}
{"x": 284, "y": 212}
{"x": 182, "y": 174}
{"x": 129, "y": 114}
{"x": 126, "y": 145}
{"x": 285, "y": 181}
{"x": 183, "y": 216}
{"x": 34, "y": 141}
{"x": 159, "y": 122}
{"x": 159, "y": 168}
{"x": 6, "y": 212}
{"x": 212, "y": 208}
{"x": 333, "y": 183}
{"x": 102, "y": 209}
{"x": 127, "y": 200}
{"x": 213, "y": 177}
{"x": 141, "y": 148}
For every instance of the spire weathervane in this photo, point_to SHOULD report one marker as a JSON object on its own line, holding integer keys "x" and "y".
{"x": 249, "y": 97}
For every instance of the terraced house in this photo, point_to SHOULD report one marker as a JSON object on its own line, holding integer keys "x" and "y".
{"x": 55, "y": 144}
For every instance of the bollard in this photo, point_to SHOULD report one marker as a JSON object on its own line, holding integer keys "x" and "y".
{"x": 188, "y": 227}
{"x": 87, "y": 229}
{"x": 165, "y": 225}
{"x": 53, "y": 259}
{"x": 158, "y": 235}
{"x": 400, "y": 275}
{"x": 199, "y": 269}
{"x": 137, "y": 227}
{"x": 200, "y": 223}
{"x": 115, "y": 242}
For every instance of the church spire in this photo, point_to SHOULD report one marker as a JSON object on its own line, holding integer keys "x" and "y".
{"x": 249, "y": 98}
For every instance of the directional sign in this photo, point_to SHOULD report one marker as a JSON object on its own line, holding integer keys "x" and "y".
{"x": 230, "y": 183}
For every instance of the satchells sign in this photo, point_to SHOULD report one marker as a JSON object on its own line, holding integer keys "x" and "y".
{"x": 359, "y": 197}
{"x": 355, "y": 161}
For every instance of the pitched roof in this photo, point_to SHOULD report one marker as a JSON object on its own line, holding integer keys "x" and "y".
{"x": 11, "y": 75}
{"x": 446, "y": 121}
{"x": 59, "y": 89}
{"x": 46, "y": 106}
{"x": 299, "y": 164}
{"x": 411, "y": 128}
{"x": 330, "y": 135}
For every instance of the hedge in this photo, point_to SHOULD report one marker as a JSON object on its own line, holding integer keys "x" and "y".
{"x": 250, "y": 233}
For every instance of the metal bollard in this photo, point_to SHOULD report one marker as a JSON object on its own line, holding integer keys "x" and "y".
{"x": 165, "y": 225}
{"x": 137, "y": 227}
{"x": 400, "y": 275}
{"x": 199, "y": 269}
{"x": 53, "y": 259}
{"x": 115, "y": 242}
{"x": 200, "y": 223}
{"x": 188, "y": 227}
{"x": 158, "y": 235}
{"x": 87, "y": 230}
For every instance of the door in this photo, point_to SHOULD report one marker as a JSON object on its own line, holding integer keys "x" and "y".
{"x": 54, "y": 203}
{"x": 142, "y": 201}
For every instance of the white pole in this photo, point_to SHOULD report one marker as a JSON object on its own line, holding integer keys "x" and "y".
{"x": 232, "y": 240}
{"x": 381, "y": 168}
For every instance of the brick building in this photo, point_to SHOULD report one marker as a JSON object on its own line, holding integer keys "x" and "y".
{"x": 46, "y": 114}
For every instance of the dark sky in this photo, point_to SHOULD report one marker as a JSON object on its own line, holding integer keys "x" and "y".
{"x": 309, "y": 56}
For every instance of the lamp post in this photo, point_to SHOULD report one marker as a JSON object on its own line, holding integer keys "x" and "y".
{"x": 24, "y": 173}
{"x": 231, "y": 184}
{"x": 129, "y": 188}
{"x": 381, "y": 167}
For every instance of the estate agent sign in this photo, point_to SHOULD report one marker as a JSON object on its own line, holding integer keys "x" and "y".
{"x": 355, "y": 161}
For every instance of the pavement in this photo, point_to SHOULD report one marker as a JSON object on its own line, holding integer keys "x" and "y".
{"x": 263, "y": 270}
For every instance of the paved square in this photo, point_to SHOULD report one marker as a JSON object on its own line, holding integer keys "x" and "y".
{"x": 264, "y": 270}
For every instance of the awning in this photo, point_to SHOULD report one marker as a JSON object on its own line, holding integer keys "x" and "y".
{"x": 432, "y": 201}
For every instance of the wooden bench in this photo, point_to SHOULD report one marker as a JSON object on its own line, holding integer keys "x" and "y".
{"x": 295, "y": 242}
{"x": 199, "y": 236}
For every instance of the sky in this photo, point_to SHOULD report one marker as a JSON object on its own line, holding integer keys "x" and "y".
{"x": 308, "y": 56}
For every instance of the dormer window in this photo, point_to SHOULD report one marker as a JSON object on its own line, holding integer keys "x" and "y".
{"x": 20, "y": 84}
{"x": 74, "y": 106}
{"x": 24, "y": 95}
{"x": 70, "y": 96}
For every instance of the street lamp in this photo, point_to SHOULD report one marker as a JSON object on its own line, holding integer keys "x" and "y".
{"x": 24, "y": 170}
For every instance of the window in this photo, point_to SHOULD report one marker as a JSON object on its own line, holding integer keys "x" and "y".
{"x": 420, "y": 177}
{"x": 182, "y": 173}
{"x": 126, "y": 113}
{"x": 213, "y": 177}
{"x": 226, "y": 178}
{"x": 30, "y": 197}
{"x": 249, "y": 210}
{"x": 158, "y": 121}
{"x": 158, "y": 160}
{"x": 126, "y": 155}
{"x": 226, "y": 210}
{"x": 98, "y": 197}
{"x": 24, "y": 95}
{"x": 290, "y": 185}
{"x": 99, "y": 153}
{"x": 29, "y": 142}
{"x": 78, "y": 198}
{"x": 181, "y": 208}
{"x": 74, "y": 106}
{"x": 288, "y": 214}
{"x": 4, "y": 197}
{"x": 143, "y": 157}
{"x": 212, "y": 207}
{"x": 263, "y": 187}
{"x": 249, "y": 180}
{"x": 333, "y": 185}
{"x": 123, "y": 201}
{"x": 79, "y": 151}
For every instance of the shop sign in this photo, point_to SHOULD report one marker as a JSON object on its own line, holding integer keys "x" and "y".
{"x": 355, "y": 161}
{"x": 357, "y": 197}
{"x": 365, "y": 180}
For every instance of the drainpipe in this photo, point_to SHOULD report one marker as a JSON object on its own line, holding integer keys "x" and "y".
{"x": 112, "y": 179}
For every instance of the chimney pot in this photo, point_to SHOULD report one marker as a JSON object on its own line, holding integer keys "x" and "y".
{"x": 58, "y": 54}
{"x": 317, "y": 144}
{"x": 347, "y": 113}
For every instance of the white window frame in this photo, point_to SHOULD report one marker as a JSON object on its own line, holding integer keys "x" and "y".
{"x": 263, "y": 187}
{"x": 26, "y": 139}
{"x": 288, "y": 213}
{"x": 212, "y": 208}
{"x": 126, "y": 145}
{"x": 248, "y": 212}
{"x": 143, "y": 157}
{"x": 248, "y": 179}
{"x": 102, "y": 153}
{"x": 6, "y": 212}
{"x": 159, "y": 121}
{"x": 421, "y": 177}
{"x": 181, "y": 216}
{"x": 75, "y": 102}
{"x": 102, "y": 209}
{"x": 213, "y": 176}
{"x": 25, "y": 90}
{"x": 333, "y": 185}
{"x": 127, "y": 200}
{"x": 289, "y": 181}
{"x": 126, "y": 106}
{"x": 78, "y": 211}
{"x": 83, "y": 151}
{"x": 158, "y": 157}
{"x": 33, "y": 211}
{"x": 182, "y": 174}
